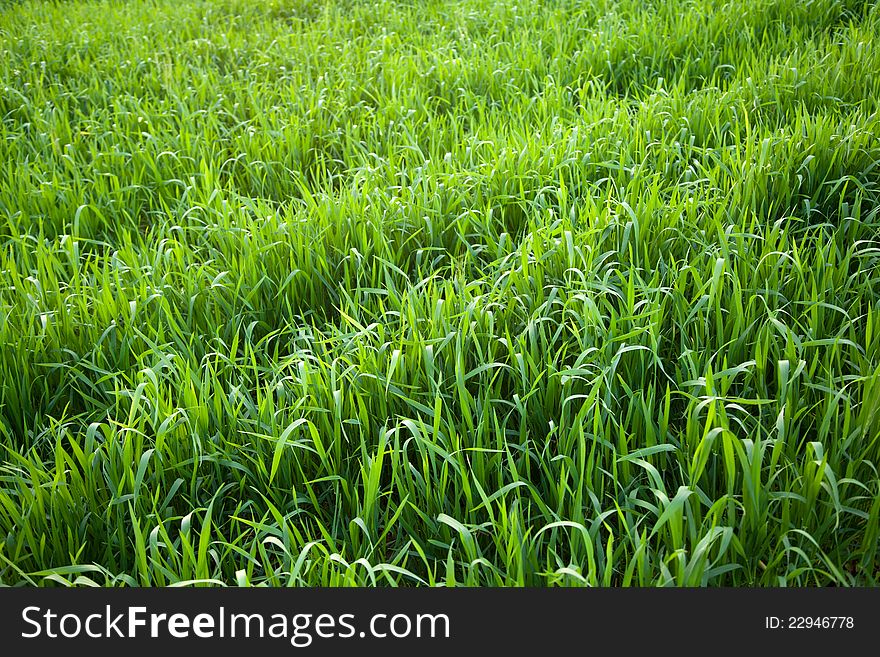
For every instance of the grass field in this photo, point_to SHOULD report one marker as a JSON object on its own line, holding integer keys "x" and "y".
{"x": 465, "y": 292}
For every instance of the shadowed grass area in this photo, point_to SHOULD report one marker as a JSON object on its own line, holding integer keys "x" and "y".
{"x": 474, "y": 292}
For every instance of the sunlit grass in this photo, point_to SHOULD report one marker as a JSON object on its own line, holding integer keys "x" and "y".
{"x": 477, "y": 292}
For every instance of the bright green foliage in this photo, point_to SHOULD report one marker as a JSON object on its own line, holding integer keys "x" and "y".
{"x": 481, "y": 292}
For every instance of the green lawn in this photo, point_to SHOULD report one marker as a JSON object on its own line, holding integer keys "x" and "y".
{"x": 440, "y": 292}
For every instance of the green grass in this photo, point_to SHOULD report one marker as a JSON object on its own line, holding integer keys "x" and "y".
{"x": 461, "y": 292}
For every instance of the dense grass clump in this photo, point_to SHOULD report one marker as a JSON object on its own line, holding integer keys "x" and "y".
{"x": 482, "y": 292}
